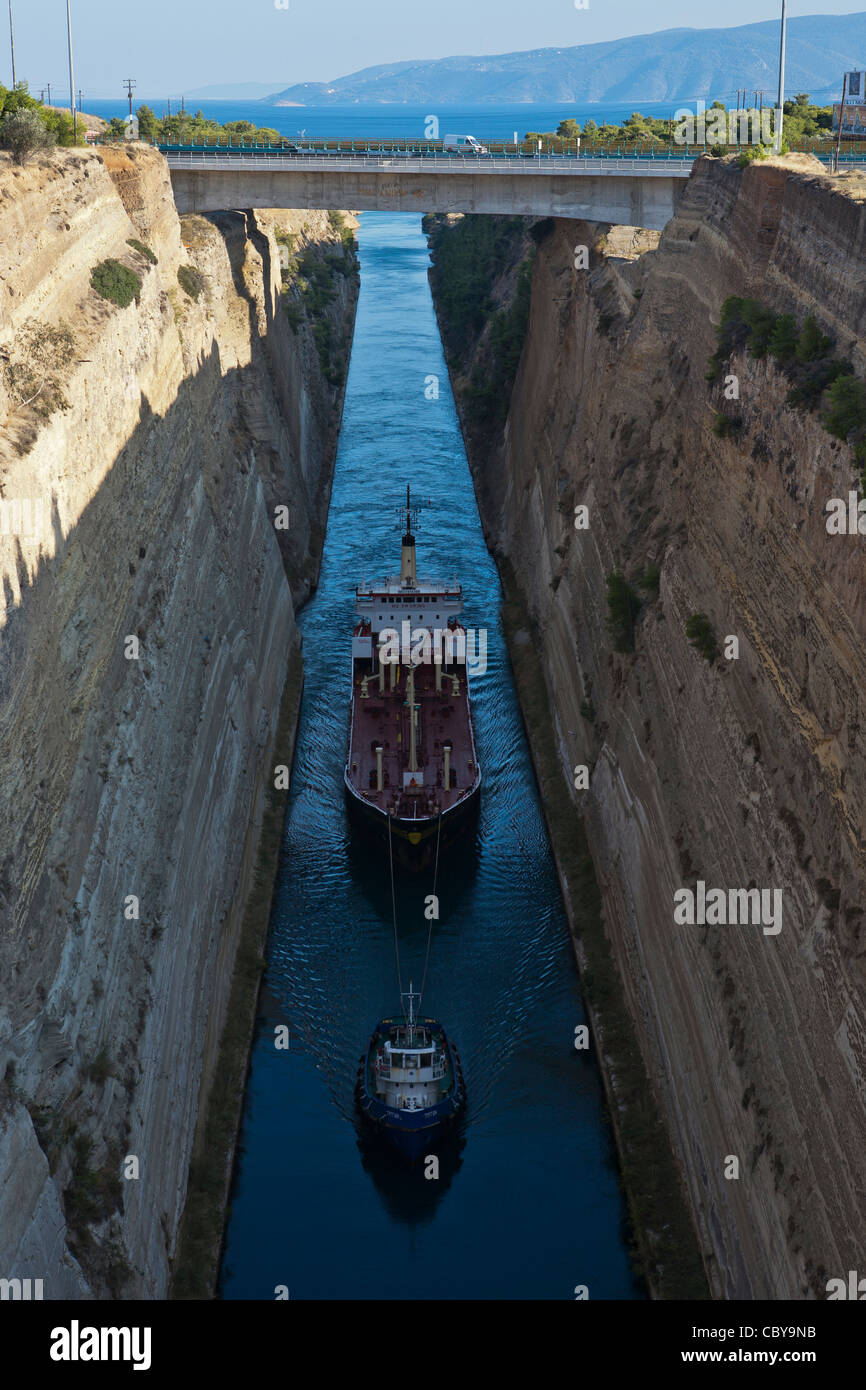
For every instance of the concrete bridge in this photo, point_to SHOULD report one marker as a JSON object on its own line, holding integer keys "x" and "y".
{"x": 633, "y": 192}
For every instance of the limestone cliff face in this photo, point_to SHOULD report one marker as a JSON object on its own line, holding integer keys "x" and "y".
{"x": 747, "y": 772}
{"x": 146, "y": 623}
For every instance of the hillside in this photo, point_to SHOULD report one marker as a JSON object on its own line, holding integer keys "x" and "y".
{"x": 672, "y": 65}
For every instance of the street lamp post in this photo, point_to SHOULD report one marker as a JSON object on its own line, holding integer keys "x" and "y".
{"x": 12, "y": 42}
{"x": 71, "y": 77}
{"x": 780, "y": 108}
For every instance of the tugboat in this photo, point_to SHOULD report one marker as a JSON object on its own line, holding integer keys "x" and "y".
{"x": 410, "y": 1085}
{"x": 412, "y": 773}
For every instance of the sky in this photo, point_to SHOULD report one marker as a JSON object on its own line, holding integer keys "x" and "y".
{"x": 174, "y": 46}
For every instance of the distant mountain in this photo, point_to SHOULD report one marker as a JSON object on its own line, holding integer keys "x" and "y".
{"x": 672, "y": 65}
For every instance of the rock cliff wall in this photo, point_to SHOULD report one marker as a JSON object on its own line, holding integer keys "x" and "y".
{"x": 743, "y": 773}
{"x": 146, "y": 627}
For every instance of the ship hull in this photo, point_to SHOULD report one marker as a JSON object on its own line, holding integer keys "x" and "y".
{"x": 413, "y": 1134}
{"x": 414, "y": 842}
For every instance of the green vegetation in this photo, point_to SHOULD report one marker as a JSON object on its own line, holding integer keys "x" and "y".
{"x": 101, "y": 1068}
{"x": 702, "y": 636}
{"x": 805, "y": 356}
{"x": 188, "y": 128}
{"x": 347, "y": 236}
{"x": 623, "y": 606}
{"x": 845, "y": 417}
{"x": 650, "y": 579}
{"x": 748, "y": 155}
{"x": 36, "y": 365}
{"x": 724, "y": 425}
{"x": 309, "y": 287}
{"x": 116, "y": 283}
{"x": 142, "y": 250}
{"x": 806, "y": 126}
{"x": 92, "y": 1194}
{"x": 54, "y": 127}
{"x": 24, "y": 134}
{"x": 492, "y": 387}
{"x": 468, "y": 258}
{"x": 191, "y": 281}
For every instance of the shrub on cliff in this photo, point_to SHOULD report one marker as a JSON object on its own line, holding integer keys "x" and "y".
{"x": 845, "y": 417}
{"x": 812, "y": 343}
{"x": 783, "y": 340}
{"x": 24, "y": 133}
{"x": 623, "y": 606}
{"x": 702, "y": 636}
{"x": 142, "y": 250}
{"x": 36, "y": 364}
{"x": 811, "y": 380}
{"x": 190, "y": 280}
{"x": 116, "y": 283}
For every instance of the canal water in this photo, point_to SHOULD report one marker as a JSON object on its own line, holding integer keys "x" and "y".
{"x": 527, "y": 1205}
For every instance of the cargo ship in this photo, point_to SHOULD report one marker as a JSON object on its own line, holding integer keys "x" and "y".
{"x": 410, "y": 1084}
{"x": 412, "y": 775}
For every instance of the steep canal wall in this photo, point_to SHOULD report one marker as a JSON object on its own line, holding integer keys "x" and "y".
{"x": 170, "y": 397}
{"x": 582, "y": 381}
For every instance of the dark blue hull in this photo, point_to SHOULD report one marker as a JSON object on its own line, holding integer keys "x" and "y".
{"x": 413, "y": 1133}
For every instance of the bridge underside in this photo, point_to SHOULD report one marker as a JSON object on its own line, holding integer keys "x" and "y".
{"x": 631, "y": 200}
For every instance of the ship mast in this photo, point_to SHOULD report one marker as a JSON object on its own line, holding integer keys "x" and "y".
{"x": 406, "y": 517}
{"x": 411, "y": 995}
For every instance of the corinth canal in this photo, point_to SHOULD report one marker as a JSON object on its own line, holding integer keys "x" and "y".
{"x": 529, "y": 1206}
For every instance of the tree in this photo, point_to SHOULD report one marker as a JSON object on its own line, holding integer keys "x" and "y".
{"x": 147, "y": 123}
{"x": 568, "y": 129}
{"x": 117, "y": 127}
{"x": 23, "y": 133}
{"x": 590, "y": 131}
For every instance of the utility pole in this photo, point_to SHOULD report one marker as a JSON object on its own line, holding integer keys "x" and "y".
{"x": 841, "y": 119}
{"x": 780, "y": 109}
{"x": 80, "y": 105}
{"x": 129, "y": 84}
{"x": 12, "y": 42}
{"x": 49, "y": 93}
{"x": 71, "y": 75}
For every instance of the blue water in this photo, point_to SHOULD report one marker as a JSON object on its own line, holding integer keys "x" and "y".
{"x": 530, "y": 1206}
{"x": 374, "y": 122}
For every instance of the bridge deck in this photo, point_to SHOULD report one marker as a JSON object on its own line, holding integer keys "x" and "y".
{"x": 489, "y": 166}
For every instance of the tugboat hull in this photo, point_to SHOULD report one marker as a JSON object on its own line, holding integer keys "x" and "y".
{"x": 413, "y": 1133}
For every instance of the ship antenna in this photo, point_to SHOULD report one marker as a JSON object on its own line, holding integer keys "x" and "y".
{"x": 411, "y": 995}
{"x": 408, "y": 513}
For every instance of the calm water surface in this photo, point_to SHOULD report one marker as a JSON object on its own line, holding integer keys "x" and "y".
{"x": 528, "y": 1204}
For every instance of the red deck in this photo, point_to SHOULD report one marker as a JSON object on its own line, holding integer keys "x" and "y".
{"x": 383, "y": 719}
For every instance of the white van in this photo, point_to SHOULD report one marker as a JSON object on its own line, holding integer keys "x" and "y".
{"x": 463, "y": 144}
